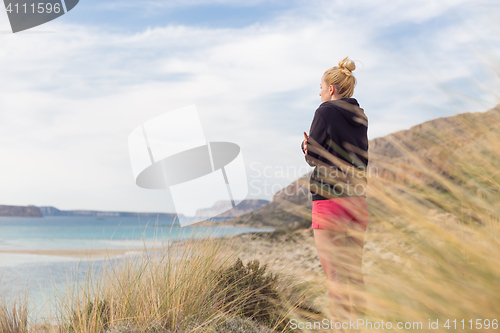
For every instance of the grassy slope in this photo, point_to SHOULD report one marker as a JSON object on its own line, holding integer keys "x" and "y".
{"x": 431, "y": 143}
{"x": 431, "y": 250}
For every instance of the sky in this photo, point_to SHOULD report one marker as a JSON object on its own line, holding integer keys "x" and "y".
{"x": 72, "y": 90}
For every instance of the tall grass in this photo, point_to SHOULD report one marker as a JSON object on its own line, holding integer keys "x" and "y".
{"x": 432, "y": 247}
{"x": 198, "y": 285}
{"x": 431, "y": 259}
{"x": 14, "y": 315}
{"x": 436, "y": 237}
{"x": 431, "y": 256}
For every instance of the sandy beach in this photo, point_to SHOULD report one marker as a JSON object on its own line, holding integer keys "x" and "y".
{"x": 78, "y": 254}
{"x": 287, "y": 251}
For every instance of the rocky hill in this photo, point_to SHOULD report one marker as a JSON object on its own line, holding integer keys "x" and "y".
{"x": 34, "y": 211}
{"x": 432, "y": 142}
{"x": 20, "y": 211}
{"x": 52, "y": 211}
{"x": 244, "y": 207}
{"x": 403, "y": 152}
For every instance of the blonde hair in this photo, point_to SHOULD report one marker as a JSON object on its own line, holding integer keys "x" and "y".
{"x": 341, "y": 77}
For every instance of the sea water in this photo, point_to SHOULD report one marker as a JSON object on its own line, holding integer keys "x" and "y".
{"x": 39, "y": 277}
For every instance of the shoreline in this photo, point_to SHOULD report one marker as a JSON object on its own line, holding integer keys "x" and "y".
{"x": 91, "y": 254}
{"x": 77, "y": 254}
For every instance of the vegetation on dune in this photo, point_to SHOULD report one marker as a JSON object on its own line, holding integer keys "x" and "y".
{"x": 14, "y": 316}
{"x": 433, "y": 242}
{"x": 193, "y": 286}
{"x": 437, "y": 236}
{"x": 431, "y": 254}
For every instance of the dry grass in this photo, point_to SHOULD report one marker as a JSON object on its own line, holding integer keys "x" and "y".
{"x": 193, "y": 286}
{"x": 433, "y": 244}
{"x": 14, "y": 316}
{"x": 431, "y": 254}
{"x": 437, "y": 243}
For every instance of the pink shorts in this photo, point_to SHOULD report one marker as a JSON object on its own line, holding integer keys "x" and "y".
{"x": 335, "y": 214}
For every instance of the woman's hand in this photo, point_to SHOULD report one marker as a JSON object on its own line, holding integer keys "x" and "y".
{"x": 305, "y": 143}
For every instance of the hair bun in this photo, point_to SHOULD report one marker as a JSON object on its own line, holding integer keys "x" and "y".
{"x": 346, "y": 66}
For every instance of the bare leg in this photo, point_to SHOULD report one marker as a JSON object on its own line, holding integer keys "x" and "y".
{"x": 331, "y": 247}
{"x": 354, "y": 244}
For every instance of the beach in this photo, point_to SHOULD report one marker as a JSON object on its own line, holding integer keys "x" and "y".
{"x": 76, "y": 254}
{"x": 284, "y": 252}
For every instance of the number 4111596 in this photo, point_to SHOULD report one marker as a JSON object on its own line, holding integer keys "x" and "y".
{"x": 39, "y": 9}
{"x": 479, "y": 324}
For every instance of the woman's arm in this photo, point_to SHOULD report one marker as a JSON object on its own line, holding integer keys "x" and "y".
{"x": 303, "y": 146}
{"x": 319, "y": 135}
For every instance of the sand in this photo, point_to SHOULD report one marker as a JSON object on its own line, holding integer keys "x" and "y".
{"x": 79, "y": 254}
{"x": 287, "y": 253}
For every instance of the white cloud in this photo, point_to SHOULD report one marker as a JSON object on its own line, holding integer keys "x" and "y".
{"x": 68, "y": 100}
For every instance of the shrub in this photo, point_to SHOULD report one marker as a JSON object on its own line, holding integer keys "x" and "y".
{"x": 97, "y": 311}
{"x": 249, "y": 292}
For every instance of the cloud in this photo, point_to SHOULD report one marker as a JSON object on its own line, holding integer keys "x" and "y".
{"x": 68, "y": 100}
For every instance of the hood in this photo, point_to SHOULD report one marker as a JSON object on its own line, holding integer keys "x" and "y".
{"x": 349, "y": 108}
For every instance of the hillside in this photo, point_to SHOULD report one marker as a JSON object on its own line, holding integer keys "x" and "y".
{"x": 403, "y": 153}
{"x": 34, "y": 211}
{"x": 433, "y": 142}
{"x": 244, "y": 207}
{"x": 52, "y": 211}
{"x": 20, "y": 211}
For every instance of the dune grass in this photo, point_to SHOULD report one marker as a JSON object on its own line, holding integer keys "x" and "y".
{"x": 431, "y": 257}
{"x": 14, "y": 315}
{"x": 432, "y": 247}
{"x": 437, "y": 240}
{"x": 197, "y": 285}
{"x": 431, "y": 261}
{"x": 431, "y": 264}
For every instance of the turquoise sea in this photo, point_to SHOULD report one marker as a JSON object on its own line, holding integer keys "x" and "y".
{"x": 37, "y": 275}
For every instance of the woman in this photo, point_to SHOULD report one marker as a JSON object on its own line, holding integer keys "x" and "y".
{"x": 337, "y": 146}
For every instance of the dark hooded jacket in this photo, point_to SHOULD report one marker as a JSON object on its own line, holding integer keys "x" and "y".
{"x": 340, "y": 128}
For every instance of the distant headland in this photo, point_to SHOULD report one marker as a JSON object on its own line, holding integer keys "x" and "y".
{"x": 20, "y": 211}
{"x": 34, "y": 211}
{"x": 244, "y": 207}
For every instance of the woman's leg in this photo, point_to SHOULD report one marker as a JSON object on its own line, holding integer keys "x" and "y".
{"x": 354, "y": 244}
{"x": 331, "y": 247}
